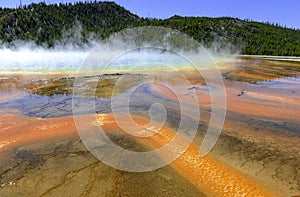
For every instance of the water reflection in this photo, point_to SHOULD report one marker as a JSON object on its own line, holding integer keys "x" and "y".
{"x": 58, "y": 105}
{"x": 281, "y": 82}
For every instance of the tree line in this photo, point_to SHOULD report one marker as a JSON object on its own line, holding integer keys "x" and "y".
{"x": 77, "y": 22}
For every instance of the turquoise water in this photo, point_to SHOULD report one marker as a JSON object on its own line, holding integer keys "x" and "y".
{"x": 40, "y": 60}
{"x": 71, "y": 61}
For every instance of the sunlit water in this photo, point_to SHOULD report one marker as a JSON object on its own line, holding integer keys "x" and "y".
{"x": 59, "y": 105}
{"x": 45, "y": 60}
{"x": 287, "y": 82}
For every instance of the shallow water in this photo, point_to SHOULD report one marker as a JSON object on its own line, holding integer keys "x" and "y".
{"x": 286, "y": 82}
{"x": 256, "y": 140}
{"x": 59, "y": 105}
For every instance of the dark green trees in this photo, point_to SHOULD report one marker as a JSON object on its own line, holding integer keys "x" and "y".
{"x": 77, "y": 23}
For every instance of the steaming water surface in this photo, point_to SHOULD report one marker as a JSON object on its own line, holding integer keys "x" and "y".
{"x": 244, "y": 110}
{"x": 40, "y": 60}
{"x": 45, "y": 60}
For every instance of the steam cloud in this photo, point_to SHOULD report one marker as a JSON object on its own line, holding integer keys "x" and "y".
{"x": 65, "y": 56}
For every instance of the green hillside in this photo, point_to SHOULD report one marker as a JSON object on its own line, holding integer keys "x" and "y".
{"x": 77, "y": 23}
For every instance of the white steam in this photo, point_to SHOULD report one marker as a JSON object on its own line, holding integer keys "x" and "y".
{"x": 40, "y": 60}
{"x": 68, "y": 57}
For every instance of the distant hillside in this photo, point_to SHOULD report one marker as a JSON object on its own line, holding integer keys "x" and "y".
{"x": 48, "y": 24}
{"x": 250, "y": 37}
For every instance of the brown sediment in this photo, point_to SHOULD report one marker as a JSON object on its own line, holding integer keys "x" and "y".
{"x": 207, "y": 173}
{"x": 272, "y": 107}
{"x": 283, "y": 114}
{"x": 257, "y": 102}
{"x": 253, "y": 70}
{"x": 16, "y": 85}
{"x": 192, "y": 76}
{"x": 104, "y": 86}
{"x": 46, "y": 157}
{"x": 253, "y": 74}
{"x": 67, "y": 167}
{"x": 264, "y": 128}
{"x": 17, "y": 130}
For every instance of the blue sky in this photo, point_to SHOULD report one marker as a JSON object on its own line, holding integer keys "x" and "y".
{"x": 284, "y": 12}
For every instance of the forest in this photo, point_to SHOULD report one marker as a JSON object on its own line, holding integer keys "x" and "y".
{"x": 47, "y": 25}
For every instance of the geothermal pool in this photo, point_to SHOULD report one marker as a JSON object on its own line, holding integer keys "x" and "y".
{"x": 257, "y": 154}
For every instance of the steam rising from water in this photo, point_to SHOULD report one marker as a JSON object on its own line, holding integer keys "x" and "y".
{"x": 27, "y": 57}
{"x": 40, "y": 60}
{"x": 45, "y": 60}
